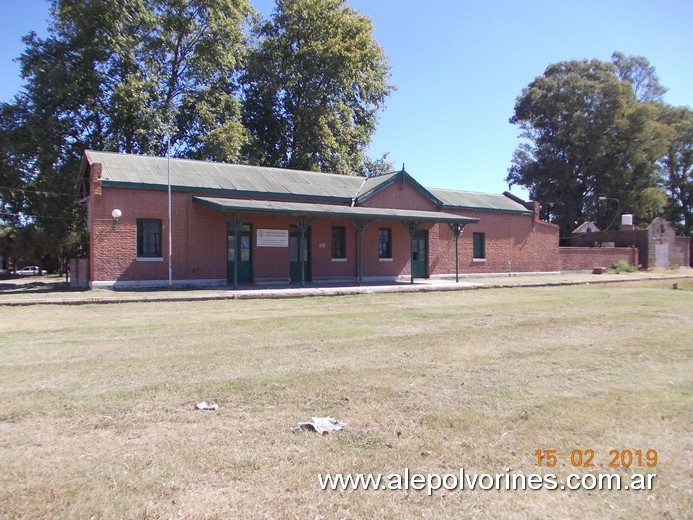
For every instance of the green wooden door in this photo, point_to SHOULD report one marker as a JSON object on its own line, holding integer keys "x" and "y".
{"x": 239, "y": 250}
{"x": 419, "y": 254}
{"x": 294, "y": 257}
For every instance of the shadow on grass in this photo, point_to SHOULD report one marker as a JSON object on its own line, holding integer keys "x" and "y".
{"x": 38, "y": 287}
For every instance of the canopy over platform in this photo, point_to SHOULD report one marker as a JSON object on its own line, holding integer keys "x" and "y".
{"x": 360, "y": 216}
{"x": 308, "y": 210}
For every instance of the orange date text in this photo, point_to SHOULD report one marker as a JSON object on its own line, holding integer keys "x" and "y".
{"x": 588, "y": 458}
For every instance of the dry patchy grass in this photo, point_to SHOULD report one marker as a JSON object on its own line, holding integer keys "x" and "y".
{"x": 97, "y": 419}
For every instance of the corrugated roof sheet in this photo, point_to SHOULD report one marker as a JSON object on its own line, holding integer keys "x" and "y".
{"x": 257, "y": 181}
{"x": 476, "y": 200}
{"x": 328, "y": 210}
{"x": 151, "y": 171}
{"x": 373, "y": 183}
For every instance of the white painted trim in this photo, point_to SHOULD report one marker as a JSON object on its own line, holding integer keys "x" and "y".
{"x": 341, "y": 279}
{"x": 499, "y": 275}
{"x": 479, "y": 260}
{"x": 383, "y": 278}
{"x": 270, "y": 281}
{"x": 384, "y": 259}
{"x": 151, "y": 259}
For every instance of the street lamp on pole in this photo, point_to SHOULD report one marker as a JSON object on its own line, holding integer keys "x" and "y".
{"x": 618, "y": 209}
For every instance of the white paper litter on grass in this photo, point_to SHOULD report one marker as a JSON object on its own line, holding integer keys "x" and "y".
{"x": 322, "y": 425}
{"x": 204, "y": 406}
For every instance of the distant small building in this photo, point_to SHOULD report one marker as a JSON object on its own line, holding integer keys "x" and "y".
{"x": 658, "y": 245}
{"x": 665, "y": 248}
{"x": 586, "y": 227}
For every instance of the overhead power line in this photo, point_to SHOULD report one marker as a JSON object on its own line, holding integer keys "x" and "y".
{"x": 42, "y": 192}
{"x": 25, "y": 216}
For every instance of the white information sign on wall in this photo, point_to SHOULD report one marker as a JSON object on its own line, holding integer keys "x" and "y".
{"x": 272, "y": 238}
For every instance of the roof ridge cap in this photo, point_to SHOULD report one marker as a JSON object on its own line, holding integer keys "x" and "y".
{"x": 218, "y": 163}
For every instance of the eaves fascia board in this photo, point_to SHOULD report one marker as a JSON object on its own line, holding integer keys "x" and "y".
{"x": 222, "y": 191}
{"x": 490, "y": 210}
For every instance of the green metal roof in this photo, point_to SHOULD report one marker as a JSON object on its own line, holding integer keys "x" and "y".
{"x": 140, "y": 171}
{"x": 327, "y": 210}
{"x": 121, "y": 169}
{"x": 480, "y": 201}
{"x": 376, "y": 184}
{"x": 372, "y": 185}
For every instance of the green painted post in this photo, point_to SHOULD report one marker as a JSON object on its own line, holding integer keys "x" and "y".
{"x": 457, "y": 231}
{"x": 301, "y": 257}
{"x": 235, "y": 223}
{"x": 302, "y": 224}
{"x": 411, "y": 229}
{"x": 360, "y": 226}
{"x": 411, "y": 257}
{"x": 235, "y": 259}
{"x": 360, "y": 258}
{"x": 457, "y": 260}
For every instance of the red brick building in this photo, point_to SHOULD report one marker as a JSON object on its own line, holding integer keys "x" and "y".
{"x": 235, "y": 224}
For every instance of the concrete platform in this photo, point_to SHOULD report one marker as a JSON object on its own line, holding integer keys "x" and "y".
{"x": 50, "y": 291}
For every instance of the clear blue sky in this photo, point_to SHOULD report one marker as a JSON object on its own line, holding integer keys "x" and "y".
{"x": 459, "y": 65}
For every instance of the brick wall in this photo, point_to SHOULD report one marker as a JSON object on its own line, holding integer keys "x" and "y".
{"x": 400, "y": 264}
{"x": 661, "y": 251}
{"x": 79, "y": 273}
{"x": 400, "y": 196}
{"x": 199, "y": 237}
{"x": 270, "y": 264}
{"x": 634, "y": 238}
{"x": 659, "y": 233}
{"x": 683, "y": 251}
{"x": 586, "y": 259}
{"x": 513, "y": 243}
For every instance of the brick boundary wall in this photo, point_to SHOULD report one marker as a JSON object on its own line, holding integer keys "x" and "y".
{"x": 79, "y": 273}
{"x": 584, "y": 258}
{"x": 683, "y": 248}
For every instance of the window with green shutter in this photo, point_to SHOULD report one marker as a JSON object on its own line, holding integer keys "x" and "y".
{"x": 385, "y": 243}
{"x": 339, "y": 242}
{"x": 479, "y": 246}
{"x": 148, "y": 238}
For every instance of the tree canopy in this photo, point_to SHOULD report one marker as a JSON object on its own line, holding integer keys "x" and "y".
{"x": 313, "y": 85}
{"x": 594, "y": 129}
{"x": 641, "y": 75}
{"x": 677, "y": 167}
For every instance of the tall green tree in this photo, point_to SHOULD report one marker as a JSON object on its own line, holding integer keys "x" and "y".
{"x": 585, "y": 136}
{"x": 147, "y": 68}
{"x": 119, "y": 75}
{"x": 14, "y": 166}
{"x": 677, "y": 167}
{"x": 314, "y": 84}
{"x": 642, "y": 76}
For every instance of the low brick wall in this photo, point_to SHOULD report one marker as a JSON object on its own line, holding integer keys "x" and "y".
{"x": 79, "y": 273}
{"x": 683, "y": 251}
{"x": 587, "y": 258}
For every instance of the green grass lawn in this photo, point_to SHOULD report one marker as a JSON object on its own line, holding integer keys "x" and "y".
{"x": 97, "y": 419}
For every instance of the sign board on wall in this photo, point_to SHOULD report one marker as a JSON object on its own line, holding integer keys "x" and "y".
{"x": 272, "y": 238}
